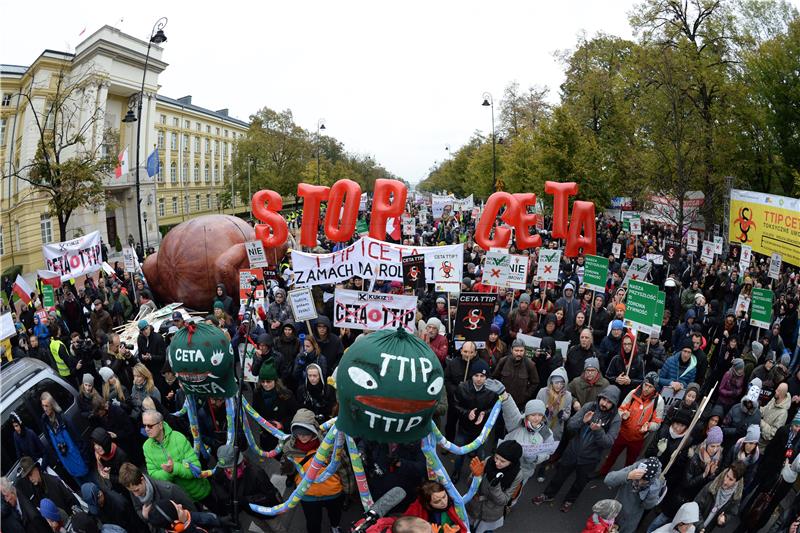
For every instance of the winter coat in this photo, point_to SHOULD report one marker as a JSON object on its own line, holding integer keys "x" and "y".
{"x": 707, "y": 497}
{"x": 687, "y": 480}
{"x": 683, "y": 516}
{"x": 609, "y": 347}
{"x": 466, "y": 399}
{"x": 319, "y": 398}
{"x": 100, "y": 321}
{"x": 440, "y": 347}
{"x": 51, "y": 487}
{"x": 587, "y": 446}
{"x": 583, "y": 391}
{"x": 176, "y": 447}
{"x": 556, "y": 417}
{"x": 331, "y": 347}
{"x": 738, "y": 419}
{"x": 227, "y": 301}
{"x": 153, "y": 345}
{"x": 618, "y": 366}
{"x": 28, "y": 443}
{"x": 576, "y": 357}
{"x": 520, "y": 378}
{"x": 527, "y": 438}
{"x": 673, "y": 370}
{"x": 731, "y": 387}
{"x": 599, "y": 324}
{"x": 253, "y": 486}
{"x": 416, "y": 509}
{"x": 773, "y": 416}
{"x": 66, "y": 448}
{"x": 633, "y": 506}
{"x": 490, "y": 502}
{"x": 642, "y": 411}
{"x": 28, "y": 521}
{"x": 163, "y": 490}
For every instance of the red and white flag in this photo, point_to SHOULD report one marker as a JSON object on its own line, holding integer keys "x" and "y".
{"x": 122, "y": 165}
{"x": 393, "y": 228}
{"x": 22, "y": 289}
{"x": 49, "y": 277}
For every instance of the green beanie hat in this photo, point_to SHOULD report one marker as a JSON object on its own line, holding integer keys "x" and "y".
{"x": 268, "y": 372}
{"x": 219, "y": 305}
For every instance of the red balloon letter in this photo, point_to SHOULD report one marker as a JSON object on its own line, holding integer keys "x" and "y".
{"x": 561, "y": 193}
{"x": 313, "y": 196}
{"x": 501, "y": 235}
{"x": 340, "y": 220}
{"x": 383, "y": 208}
{"x": 526, "y": 221}
{"x": 582, "y": 219}
{"x": 266, "y": 206}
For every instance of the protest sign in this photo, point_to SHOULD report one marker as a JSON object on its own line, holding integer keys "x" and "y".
{"x": 362, "y": 228}
{"x": 256, "y": 254}
{"x": 775, "y": 266}
{"x": 48, "y": 296}
{"x": 691, "y": 240}
{"x": 423, "y": 217}
{"x": 544, "y": 448}
{"x": 129, "y": 259}
{"x": 414, "y": 272}
{"x": 659, "y": 318}
{"x": 373, "y": 310}
{"x": 517, "y": 272}
{"x": 441, "y": 205}
{"x": 761, "y": 312}
{"x": 746, "y": 256}
{"x": 463, "y": 204}
{"x": 656, "y": 259}
{"x": 707, "y": 254}
{"x": 671, "y": 397}
{"x": 547, "y": 265}
{"x": 616, "y": 249}
{"x": 636, "y": 225}
{"x": 637, "y": 271}
{"x": 370, "y": 258}
{"x": 742, "y": 306}
{"x": 640, "y": 306}
{"x": 302, "y": 303}
{"x": 718, "y": 242}
{"x": 531, "y": 344}
{"x": 672, "y": 250}
{"x": 362, "y": 202}
{"x": 474, "y": 317}
{"x": 246, "y": 277}
{"x": 595, "y": 272}
{"x": 409, "y": 225}
{"x": 7, "y": 328}
{"x": 495, "y": 267}
{"x": 74, "y": 258}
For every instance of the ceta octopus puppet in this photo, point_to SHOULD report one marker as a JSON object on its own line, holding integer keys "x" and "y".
{"x": 387, "y": 383}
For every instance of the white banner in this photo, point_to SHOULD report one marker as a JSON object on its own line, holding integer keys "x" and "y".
{"x": 129, "y": 259}
{"x": 638, "y": 270}
{"x": 74, "y": 258}
{"x": 707, "y": 254}
{"x": 775, "y": 265}
{"x": 373, "y": 310}
{"x": 463, "y": 204}
{"x": 691, "y": 240}
{"x": 548, "y": 264}
{"x": 370, "y": 258}
{"x": 656, "y": 259}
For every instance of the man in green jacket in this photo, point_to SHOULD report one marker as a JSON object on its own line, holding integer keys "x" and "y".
{"x": 166, "y": 451}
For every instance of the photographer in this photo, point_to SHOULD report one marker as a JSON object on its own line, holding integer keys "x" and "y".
{"x": 119, "y": 358}
{"x": 151, "y": 350}
{"x": 84, "y": 352}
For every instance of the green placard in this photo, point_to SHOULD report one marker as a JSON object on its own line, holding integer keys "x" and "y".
{"x": 626, "y": 225}
{"x": 362, "y": 227}
{"x": 640, "y": 306}
{"x": 761, "y": 308}
{"x": 595, "y": 272}
{"x": 659, "y": 317}
{"x": 48, "y": 296}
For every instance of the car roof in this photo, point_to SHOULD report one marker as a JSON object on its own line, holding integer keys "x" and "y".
{"x": 13, "y": 378}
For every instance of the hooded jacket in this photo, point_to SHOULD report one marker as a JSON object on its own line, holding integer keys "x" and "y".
{"x": 520, "y": 378}
{"x": 674, "y": 370}
{"x": 689, "y": 513}
{"x": 619, "y": 364}
{"x": 527, "y": 437}
{"x": 707, "y": 497}
{"x": 634, "y": 502}
{"x": 583, "y": 391}
{"x": 176, "y": 447}
{"x": 587, "y": 446}
{"x": 556, "y": 416}
{"x": 608, "y": 348}
{"x": 331, "y": 347}
{"x": 319, "y": 398}
{"x": 227, "y": 301}
{"x": 739, "y": 418}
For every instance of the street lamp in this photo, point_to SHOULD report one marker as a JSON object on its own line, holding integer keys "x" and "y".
{"x": 488, "y": 101}
{"x": 156, "y": 36}
{"x": 320, "y": 126}
{"x": 146, "y": 237}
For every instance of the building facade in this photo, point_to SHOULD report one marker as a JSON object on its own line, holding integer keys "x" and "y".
{"x": 104, "y": 78}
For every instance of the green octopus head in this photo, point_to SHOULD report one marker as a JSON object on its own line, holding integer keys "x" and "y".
{"x": 202, "y": 358}
{"x": 387, "y": 384}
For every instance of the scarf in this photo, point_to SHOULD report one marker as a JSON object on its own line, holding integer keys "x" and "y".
{"x": 597, "y": 377}
{"x": 722, "y": 497}
{"x": 307, "y": 447}
{"x": 269, "y": 397}
{"x": 148, "y": 493}
{"x": 505, "y": 476}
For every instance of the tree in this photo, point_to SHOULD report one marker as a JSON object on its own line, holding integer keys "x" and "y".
{"x": 68, "y": 166}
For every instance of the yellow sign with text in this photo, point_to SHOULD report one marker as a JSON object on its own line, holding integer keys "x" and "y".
{"x": 767, "y": 222}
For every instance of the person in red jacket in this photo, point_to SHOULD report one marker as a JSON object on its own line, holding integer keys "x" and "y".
{"x": 435, "y": 506}
{"x": 435, "y": 339}
{"x": 604, "y": 513}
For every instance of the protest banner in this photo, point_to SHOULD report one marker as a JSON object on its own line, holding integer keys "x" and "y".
{"x": 616, "y": 249}
{"x": 640, "y": 306}
{"x": 414, "y": 272}
{"x": 441, "y": 205}
{"x": 745, "y": 256}
{"x": 409, "y": 225}
{"x": 48, "y": 297}
{"x": 495, "y": 267}
{"x": 775, "y": 266}
{"x": 74, "y": 258}
{"x": 129, "y": 259}
{"x": 636, "y": 225}
{"x": 517, "y": 272}
{"x": 691, "y": 240}
{"x": 595, "y": 272}
{"x": 637, "y": 271}
{"x": 761, "y": 311}
{"x": 256, "y": 254}
{"x": 656, "y": 259}
{"x": 373, "y": 310}
{"x": 7, "y": 328}
{"x": 718, "y": 242}
{"x": 742, "y": 306}
{"x": 474, "y": 317}
{"x": 767, "y": 222}
{"x": 302, "y": 303}
{"x": 370, "y": 258}
{"x": 548, "y": 265}
{"x": 707, "y": 255}
{"x": 463, "y": 204}
{"x": 246, "y": 277}
{"x": 672, "y": 250}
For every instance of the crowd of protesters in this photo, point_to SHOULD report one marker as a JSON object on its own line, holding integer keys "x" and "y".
{"x": 616, "y": 407}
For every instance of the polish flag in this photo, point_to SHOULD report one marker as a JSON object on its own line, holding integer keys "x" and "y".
{"x": 49, "y": 277}
{"x": 122, "y": 166}
{"x": 393, "y": 228}
{"x": 22, "y": 289}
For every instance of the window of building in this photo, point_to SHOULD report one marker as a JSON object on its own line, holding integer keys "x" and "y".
{"x": 46, "y": 228}
{"x": 2, "y": 132}
{"x": 173, "y": 172}
{"x": 216, "y": 147}
{"x": 216, "y": 200}
{"x": 225, "y": 150}
{"x": 197, "y": 202}
{"x": 2, "y": 241}
{"x": 187, "y": 124}
{"x": 206, "y": 174}
{"x": 185, "y": 143}
{"x": 160, "y": 140}
{"x": 208, "y": 145}
{"x": 208, "y": 201}
{"x": 196, "y": 176}
{"x": 160, "y": 175}
{"x": 161, "y": 207}
{"x": 176, "y": 121}
{"x": 174, "y": 205}
{"x": 197, "y": 144}
{"x": 208, "y": 128}
{"x": 214, "y": 173}
{"x": 217, "y": 132}
{"x": 173, "y": 141}
{"x": 226, "y": 133}
{"x": 7, "y": 99}
{"x": 162, "y": 119}
{"x": 185, "y": 174}
{"x": 197, "y": 126}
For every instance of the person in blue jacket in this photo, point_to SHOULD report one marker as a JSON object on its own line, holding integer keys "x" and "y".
{"x": 679, "y": 370}
{"x": 26, "y": 441}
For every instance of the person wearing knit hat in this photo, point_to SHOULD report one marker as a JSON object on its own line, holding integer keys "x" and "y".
{"x": 640, "y": 488}
{"x": 525, "y": 298}
{"x": 604, "y": 514}
{"x": 479, "y": 367}
{"x": 501, "y": 477}
{"x": 714, "y": 436}
{"x": 142, "y": 324}
{"x": 219, "y": 305}
{"x": 588, "y": 384}
{"x": 434, "y": 336}
{"x": 591, "y": 362}
{"x": 268, "y": 372}
{"x": 494, "y": 328}
{"x": 106, "y": 373}
{"x": 88, "y": 379}
{"x": 51, "y": 513}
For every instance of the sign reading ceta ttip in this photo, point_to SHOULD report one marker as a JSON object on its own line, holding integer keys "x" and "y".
{"x": 74, "y": 258}
{"x": 373, "y": 310}
{"x": 761, "y": 310}
{"x": 767, "y": 222}
{"x": 577, "y": 227}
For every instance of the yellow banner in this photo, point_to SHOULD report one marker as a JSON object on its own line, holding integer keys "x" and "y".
{"x": 767, "y": 222}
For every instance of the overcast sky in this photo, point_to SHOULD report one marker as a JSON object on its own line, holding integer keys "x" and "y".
{"x": 398, "y": 83}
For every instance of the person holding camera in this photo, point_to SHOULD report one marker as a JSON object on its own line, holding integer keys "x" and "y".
{"x": 152, "y": 350}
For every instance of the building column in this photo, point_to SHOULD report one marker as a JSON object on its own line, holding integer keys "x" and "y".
{"x": 101, "y": 94}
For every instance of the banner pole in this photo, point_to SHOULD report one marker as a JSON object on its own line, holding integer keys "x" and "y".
{"x": 591, "y": 309}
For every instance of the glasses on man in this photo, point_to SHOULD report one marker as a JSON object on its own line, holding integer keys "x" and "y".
{"x": 151, "y": 426}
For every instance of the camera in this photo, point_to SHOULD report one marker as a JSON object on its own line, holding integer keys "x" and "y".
{"x": 126, "y": 345}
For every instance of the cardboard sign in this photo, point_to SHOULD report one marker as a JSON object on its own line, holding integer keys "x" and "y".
{"x": 742, "y": 306}
{"x": 636, "y": 225}
{"x": 7, "y": 328}
{"x": 129, "y": 259}
{"x": 691, "y": 240}
{"x": 672, "y": 250}
{"x": 656, "y": 259}
{"x": 302, "y": 303}
{"x": 595, "y": 272}
{"x": 718, "y": 242}
{"x": 441, "y": 206}
{"x": 414, "y": 272}
{"x": 409, "y": 226}
{"x": 616, "y": 249}
{"x": 761, "y": 312}
{"x": 474, "y": 317}
{"x": 707, "y": 254}
{"x": 517, "y": 272}
{"x": 640, "y": 306}
{"x": 256, "y": 254}
{"x": 637, "y": 271}
{"x": 374, "y": 310}
{"x": 245, "y": 286}
{"x": 548, "y": 265}
{"x": 775, "y": 266}
{"x": 745, "y": 256}
{"x": 671, "y": 397}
